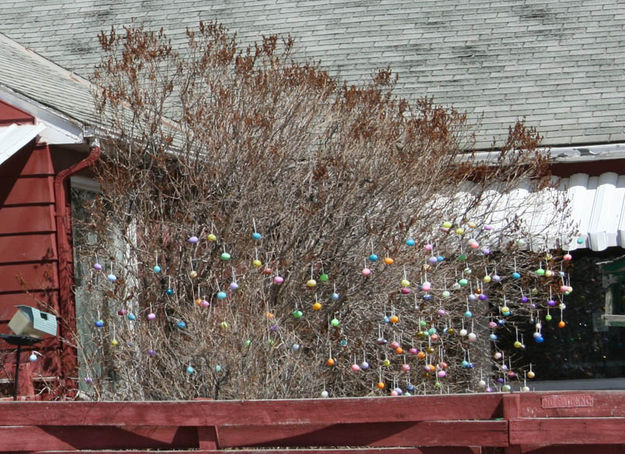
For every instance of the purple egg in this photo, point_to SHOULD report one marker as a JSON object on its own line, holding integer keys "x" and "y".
{"x": 97, "y": 267}
{"x": 483, "y": 297}
{"x": 194, "y": 239}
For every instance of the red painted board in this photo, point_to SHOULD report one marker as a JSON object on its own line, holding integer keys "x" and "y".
{"x": 422, "y": 433}
{"x": 46, "y": 301}
{"x": 28, "y": 219}
{"x": 572, "y": 403}
{"x": 29, "y": 190}
{"x": 28, "y": 161}
{"x": 574, "y": 449}
{"x": 261, "y": 412}
{"x": 21, "y": 277}
{"x": 432, "y": 450}
{"x": 564, "y": 431}
{"x": 10, "y": 114}
{"x": 27, "y": 248}
{"x": 23, "y": 438}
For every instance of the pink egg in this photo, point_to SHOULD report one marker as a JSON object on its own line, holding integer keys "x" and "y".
{"x": 413, "y": 351}
{"x": 405, "y": 367}
{"x": 428, "y": 247}
{"x": 355, "y": 367}
{"x": 151, "y": 316}
{"x": 441, "y": 374}
{"x": 365, "y": 272}
{"x": 394, "y": 345}
{"x": 426, "y": 286}
{"x": 204, "y": 303}
{"x": 278, "y": 280}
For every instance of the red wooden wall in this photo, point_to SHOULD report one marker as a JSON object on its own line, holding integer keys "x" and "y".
{"x": 28, "y": 251}
{"x": 539, "y": 423}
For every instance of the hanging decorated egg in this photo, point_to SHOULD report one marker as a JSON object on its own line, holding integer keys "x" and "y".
{"x": 114, "y": 343}
{"x": 505, "y": 310}
{"x": 181, "y": 324}
{"x": 393, "y": 319}
{"x": 278, "y": 280}
{"x": 151, "y": 316}
{"x": 496, "y": 278}
{"x": 468, "y": 314}
{"x": 99, "y": 323}
{"x": 540, "y": 272}
{"x": 335, "y": 296}
{"x": 463, "y": 332}
{"x": 190, "y": 370}
{"x": 366, "y": 271}
{"x": 446, "y": 294}
{"x": 330, "y": 362}
{"x": 193, "y": 274}
{"x": 156, "y": 269}
{"x": 311, "y": 283}
{"x": 516, "y": 275}
{"x": 373, "y": 258}
{"x": 257, "y": 263}
{"x": 405, "y": 291}
{"x": 256, "y": 236}
{"x": 32, "y": 358}
{"x": 364, "y": 365}
{"x": 225, "y": 256}
{"x": 316, "y": 306}
{"x": 473, "y": 244}
{"x": 297, "y": 314}
{"x": 355, "y": 367}
{"x": 111, "y": 277}
{"x": 122, "y": 312}
{"x": 334, "y": 322}
{"x": 211, "y": 237}
{"x": 463, "y": 282}
{"x": 193, "y": 239}
{"x": 324, "y": 394}
{"x": 324, "y": 277}
{"x": 426, "y": 286}
{"x": 224, "y": 325}
{"x": 459, "y": 231}
{"x": 151, "y": 352}
{"x": 222, "y": 295}
{"x": 567, "y": 257}
{"x": 169, "y": 291}
{"x": 97, "y": 267}
{"x": 267, "y": 270}
{"x": 561, "y": 324}
{"x": 132, "y": 317}
{"x": 410, "y": 242}
{"x": 472, "y": 337}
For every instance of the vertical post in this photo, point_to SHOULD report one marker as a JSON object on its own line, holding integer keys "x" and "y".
{"x": 511, "y": 411}
{"x": 208, "y": 438}
{"x": 18, "y": 354}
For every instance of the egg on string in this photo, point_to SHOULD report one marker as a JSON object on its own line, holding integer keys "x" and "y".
{"x": 225, "y": 256}
{"x": 181, "y": 324}
{"x": 256, "y": 236}
{"x": 122, "y": 312}
{"x": 373, "y": 258}
{"x": 324, "y": 394}
{"x": 364, "y": 365}
{"x": 311, "y": 283}
{"x": 114, "y": 343}
{"x": 257, "y": 263}
{"x": 33, "y": 357}
{"x": 169, "y": 291}
{"x": 410, "y": 242}
{"x": 151, "y": 316}
{"x": 335, "y": 296}
{"x": 366, "y": 271}
{"x": 132, "y": 317}
{"x": 297, "y": 314}
{"x": 317, "y": 306}
{"x": 190, "y": 370}
{"x": 324, "y": 277}
{"x": 278, "y": 280}
{"x": 211, "y": 237}
{"x": 111, "y": 277}
{"x": 97, "y": 266}
{"x": 193, "y": 239}
{"x": 221, "y": 295}
{"x": 99, "y": 323}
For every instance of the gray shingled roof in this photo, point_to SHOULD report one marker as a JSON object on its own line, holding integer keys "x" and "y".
{"x": 28, "y": 75}
{"x": 558, "y": 63}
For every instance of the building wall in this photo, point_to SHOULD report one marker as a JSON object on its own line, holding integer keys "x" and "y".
{"x": 28, "y": 250}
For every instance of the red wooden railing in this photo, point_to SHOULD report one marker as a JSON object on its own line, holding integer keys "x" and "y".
{"x": 480, "y": 423}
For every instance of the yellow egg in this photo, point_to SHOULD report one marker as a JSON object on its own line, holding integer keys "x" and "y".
{"x": 316, "y": 306}
{"x": 531, "y": 374}
{"x": 389, "y": 260}
{"x": 257, "y": 263}
{"x": 405, "y": 283}
{"x": 212, "y": 237}
{"x": 460, "y": 231}
{"x": 114, "y": 343}
{"x": 311, "y": 283}
{"x": 193, "y": 274}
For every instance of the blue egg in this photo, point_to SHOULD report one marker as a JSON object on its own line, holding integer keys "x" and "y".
{"x": 132, "y": 317}
{"x": 410, "y": 242}
{"x": 427, "y": 297}
{"x": 373, "y": 258}
{"x": 190, "y": 370}
{"x": 516, "y": 275}
{"x": 170, "y": 291}
{"x": 222, "y": 295}
{"x": 580, "y": 240}
{"x": 468, "y": 314}
{"x": 501, "y": 321}
{"x": 157, "y": 269}
{"x": 410, "y": 387}
{"x": 440, "y": 258}
{"x": 181, "y": 324}
{"x": 99, "y": 323}
{"x": 343, "y": 342}
{"x": 465, "y": 364}
{"x": 539, "y": 339}
{"x": 335, "y": 296}
{"x": 493, "y": 337}
{"x": 386, "y": 319}
{"x": 256, "y": 236}
{"x": 111, "y": 277}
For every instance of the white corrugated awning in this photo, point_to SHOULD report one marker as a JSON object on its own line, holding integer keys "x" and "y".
{"x": 14, "y": 137}
{"x": 598, "y": 209}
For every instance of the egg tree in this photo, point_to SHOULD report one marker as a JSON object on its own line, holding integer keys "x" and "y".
{"x": 264, "y": 231}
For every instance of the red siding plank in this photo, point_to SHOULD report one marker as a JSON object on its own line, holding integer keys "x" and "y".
{"x": 422, "y": 433}
{"x": 564, "y": 431}
{"x": 30, "y": 219}
{"x": 31, "y": 190}
{"x": 304, "y": 411}
{"x": 432, "y": 450}
{"x": 22, "y": 277}
{"x": 46, "y": 301}
{"x": 10, "y": 114}
{"x": 27, "y": 248}
{"x": 28, "y": 161}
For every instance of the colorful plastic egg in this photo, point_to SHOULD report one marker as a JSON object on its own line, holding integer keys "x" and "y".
{"x": 151, "y": 316}
{"x": 460, "y": 231}
{"x": 169, "y": 291}
{"x": 364, "y": 365}
{"x": 278, "y": 280}
{"x": 193, "y": 274}
{"x": 132, "y": 317}
{"x": 181, "y": 324}
{"x": 531, "y": 374}
{"x": 97, "y": 267}
{"x": 111, "y": 277}
{"x": 373, "y": 258}
{"x": 211, "y": 237}
{"x": 335, "y": 296}
{"x": 330, "y": 362}
{"x": 222, "y": 295}
{"x": 190, "y": 370}
{"x": 122, "y": 312}
{"x": 496, "y": 278}
{"x": 316, "y": 306}
{"x": 393, "y": 319}
{"x": 334, "y": 322}
{"x": 324, "y": 394}
{"x": 567, "y": 257}
{"x": 193, "y": 239}
{"x": 540, "y": 272}
{"x": 257, "y": 263}
{"x": 463, "y": 332}
{"x": 99, "y": 323}
{"x": 224, "y": 325}
{"x": 394, "y": 345}
{"x": 156, "y": 269}
{"x": 472, "y": 337}
{"x": 473, "y": 244}
{"x": 410, "y": 242}
{"x": 310, "y": 283}
{"x": 463, "y": 282}
{"x": 32, "y": 358}
{"x": 426, "y": 286}
{"x": 355, "y": 367}
{"x": 256, "y": 236}
{"x": 516, "y": 275}
{"x": 225, "y": 256}
{"x": 561, "y": 324}
{"x": 114, "y": 343}
{"x": 366, "y": 271}
{"x": 297, "y": 314}
{"x": 405, "y": 367}
{"x": 468, "y": 314}
{"x": 324, "y": 277}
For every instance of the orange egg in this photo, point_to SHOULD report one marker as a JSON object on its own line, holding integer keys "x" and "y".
{"x": 330, "y": 362}
{"x": 316, "y": 306}
{"x": 269, "y": 315}
{"x": 421, "y": 355}
{"x": 198, "y": 302}
{"x": 393, "y": 319}
{"x": 381, "y": 385}
{"x": 389, "y": 260}
{"x": 561, "y": 324}
{"x": 399, "y": 350}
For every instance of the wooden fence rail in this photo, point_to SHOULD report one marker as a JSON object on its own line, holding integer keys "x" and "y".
{"x": 478, "y": 423}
